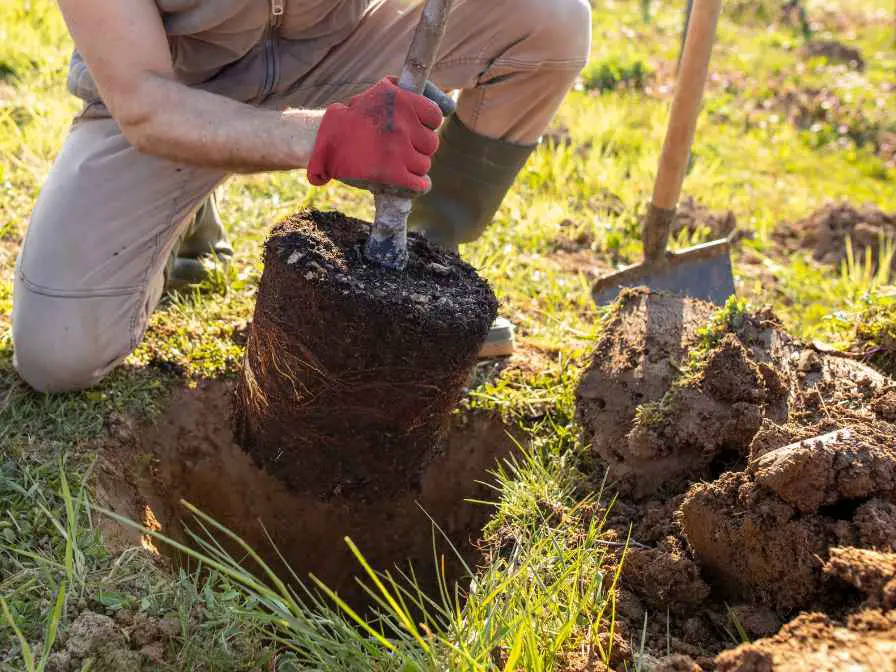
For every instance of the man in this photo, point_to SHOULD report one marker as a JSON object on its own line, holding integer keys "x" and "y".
{"x": 181, "y": 93}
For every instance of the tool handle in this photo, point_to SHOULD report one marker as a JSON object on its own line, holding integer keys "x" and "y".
{"x": 387, "y": 244}
{"x": 692, "y": 76}
{"x": 425, "y": 46}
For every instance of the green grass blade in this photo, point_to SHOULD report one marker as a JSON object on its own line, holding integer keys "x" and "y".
{"x": 27, "y": 656}
{"x": 515, "y": 652}
{"x": 352, "y": 614}
{"x": 33, "y": 556}
{"x": 278, "y": 583}
{"x": 241, "y": 577}
{"x": 52, "y": 627}
{"x": 71, "y": 524}
{"x": 404, "y": 618}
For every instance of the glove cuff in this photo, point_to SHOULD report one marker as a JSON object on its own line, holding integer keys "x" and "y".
{"x": 319, "y": 169}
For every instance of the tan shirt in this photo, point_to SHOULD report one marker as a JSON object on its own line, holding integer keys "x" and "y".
{"x": 244, "y": 49}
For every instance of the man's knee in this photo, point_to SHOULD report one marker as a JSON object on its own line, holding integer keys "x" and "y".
{"x": 49, "y": 370}
{"x": 561, "y": 29}
{"x": 58, "y": 343}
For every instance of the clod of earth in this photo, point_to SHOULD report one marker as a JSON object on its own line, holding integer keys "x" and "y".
{"x": 754, "y": 546}
{"x": 676, "y": 663}
{"x": 828, "y": 469}
{"x": 352, "y": 369}
{"x": 835, "y": 52}
{"x": 763, "y": 533}
{"x": 871, "y": 572}
{"x": 634, "y": 364}
{"x": 97, "y": 638}
{"x": 666, "y": 580}
{"x": 662, "y": 412}
{"x": 815, "y": 642}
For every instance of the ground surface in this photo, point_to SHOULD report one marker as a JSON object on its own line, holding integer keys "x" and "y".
{"x": 744, "y": 460}
{"x": 790, "y": 125}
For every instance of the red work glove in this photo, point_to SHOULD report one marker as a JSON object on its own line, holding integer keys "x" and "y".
{"x": 384, "y": 136}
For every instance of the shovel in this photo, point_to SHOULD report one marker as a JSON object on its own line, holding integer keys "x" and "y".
{"x": 702, "y": 272}
{"x": 388, "y": 240}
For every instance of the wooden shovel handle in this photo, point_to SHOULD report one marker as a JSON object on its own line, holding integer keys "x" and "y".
{"x": 686, "y": 104}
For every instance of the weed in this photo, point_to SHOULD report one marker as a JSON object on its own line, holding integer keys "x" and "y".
{"x": 726, "y": 320}
{"x": 611, "y": 75}
{"x": 741, "y": 634}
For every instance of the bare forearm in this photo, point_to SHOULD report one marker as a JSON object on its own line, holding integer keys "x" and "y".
{"x": 175, "y": 122}
{"x": 125, "y": 46}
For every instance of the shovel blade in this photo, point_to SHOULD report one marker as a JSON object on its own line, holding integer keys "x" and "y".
{"x": 703, "y": 272}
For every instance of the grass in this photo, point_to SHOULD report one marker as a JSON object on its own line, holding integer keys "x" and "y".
{"x": 780, "y": 136}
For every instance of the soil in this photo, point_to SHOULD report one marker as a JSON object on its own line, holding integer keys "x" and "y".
{"x": 699, "y": 222}
{"x": 190, "y": 454}
{"x": 352, "y": 369}
{"x": 871, "y": 572}
{"x": 824, "y": 233}
{"x": 122, "y": 644}
{"x": 835, "y": 52}
{"x": 635, "y": 364}
{"x": 816, "y": 643}
{"x": 757, "y": 479}
{"x": 693, "y": 217}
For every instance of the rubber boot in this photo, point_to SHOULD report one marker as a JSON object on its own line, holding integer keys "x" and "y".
{"x": 205, "y": 238}
{"x": 470, "y": 175}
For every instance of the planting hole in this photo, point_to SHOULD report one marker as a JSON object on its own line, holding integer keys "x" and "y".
{"x": 190, "y": 454}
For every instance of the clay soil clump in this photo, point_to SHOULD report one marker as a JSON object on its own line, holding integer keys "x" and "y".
{"x": 815, "y": 642}
{"x": 351, "y": 369}
{"x": 757, "y": 479}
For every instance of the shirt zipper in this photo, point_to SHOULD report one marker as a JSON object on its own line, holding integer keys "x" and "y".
{"x": 271, "y": 52}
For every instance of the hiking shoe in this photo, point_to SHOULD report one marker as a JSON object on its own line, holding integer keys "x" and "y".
{"x": 204, "y": 239}
{"x": 470, "y": 175}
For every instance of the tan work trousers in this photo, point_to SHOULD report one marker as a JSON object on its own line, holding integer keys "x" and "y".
{"x": 91, "y": 267}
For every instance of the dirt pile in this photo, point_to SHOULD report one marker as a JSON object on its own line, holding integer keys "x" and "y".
{"x": 634, "y": 365}
{"x": 129, "y": 642}
{"x": 694, "y": 217}
{"x": 834, "y": 52}
{"x": 754, "y": 545}
{"x": 742, "y": 457}
{"x": 190, "y": 454}
{"x": 826, "y": 231}
{"x": 814, "y": 642}
{"x": 352, "y": 369}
